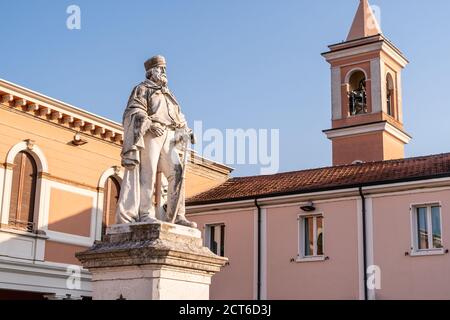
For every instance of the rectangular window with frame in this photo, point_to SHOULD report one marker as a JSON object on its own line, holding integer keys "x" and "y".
{"x": 215, "y": 238}
{"x": 427, "y": 228}
{"x": 311, "y": 236}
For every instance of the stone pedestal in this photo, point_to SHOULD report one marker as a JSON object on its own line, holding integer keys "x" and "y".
{"x": 144, "y": 261}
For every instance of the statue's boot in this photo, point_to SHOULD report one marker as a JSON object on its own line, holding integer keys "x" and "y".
{"x": 182, "y": 221}
{"x": 149, "y": 219}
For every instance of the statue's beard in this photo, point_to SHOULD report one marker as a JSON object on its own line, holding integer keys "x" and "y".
{"x": 160, "y": 78}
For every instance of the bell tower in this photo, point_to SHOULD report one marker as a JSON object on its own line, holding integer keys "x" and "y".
{"x": 366, "y": 90}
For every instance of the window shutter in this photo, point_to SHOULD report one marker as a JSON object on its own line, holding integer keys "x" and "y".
{"x": 21, "y": 212}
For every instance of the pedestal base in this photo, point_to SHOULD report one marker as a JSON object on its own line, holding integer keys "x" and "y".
{"x": 151, "y": 262}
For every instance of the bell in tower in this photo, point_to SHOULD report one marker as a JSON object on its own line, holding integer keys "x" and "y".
{"x": 357, "y": 97}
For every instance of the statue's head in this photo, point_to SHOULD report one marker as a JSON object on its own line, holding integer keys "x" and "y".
{"x": 155, "y": 69}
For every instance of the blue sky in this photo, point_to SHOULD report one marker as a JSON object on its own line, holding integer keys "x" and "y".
{"x": 232, "y": 64}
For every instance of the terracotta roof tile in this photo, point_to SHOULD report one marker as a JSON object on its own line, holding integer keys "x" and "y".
{"x": 321, "y": 179}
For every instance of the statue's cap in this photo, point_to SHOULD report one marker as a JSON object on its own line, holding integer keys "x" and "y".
{"x": 156, "y": 61}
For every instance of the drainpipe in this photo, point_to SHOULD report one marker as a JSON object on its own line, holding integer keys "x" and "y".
{"x": 258, "y": 288}
{"x": 363, "y": 200}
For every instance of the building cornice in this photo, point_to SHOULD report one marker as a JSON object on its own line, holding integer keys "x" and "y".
{"x": 210, "y": 165}
{"x": 363, "y": 46}
{"x": 368, "y": 128}
{"x": 58, "y": 112}
{"x": 389, "y": 188}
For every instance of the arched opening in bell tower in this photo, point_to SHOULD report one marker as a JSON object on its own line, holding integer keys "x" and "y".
{"x": 390, "y": 101}
{"x": 357, "y": 94}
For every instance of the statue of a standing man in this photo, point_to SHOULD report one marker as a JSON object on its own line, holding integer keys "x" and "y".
{"x": 153, "y": 127}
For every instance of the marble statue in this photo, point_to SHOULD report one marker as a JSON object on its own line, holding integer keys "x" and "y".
{"x": 154, "y": 132}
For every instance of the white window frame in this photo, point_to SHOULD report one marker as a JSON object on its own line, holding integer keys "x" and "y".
{"x": 208, "y": 235}
{"x": 415, "y": 251}
{"x": 301, "y": 257}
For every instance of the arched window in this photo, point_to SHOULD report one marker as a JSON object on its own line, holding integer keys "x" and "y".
{"x": 23, "y": 192}
{"x": 357, "y": 93}
{"x": 390, "y": 95}
{"x": 111, "y": 196}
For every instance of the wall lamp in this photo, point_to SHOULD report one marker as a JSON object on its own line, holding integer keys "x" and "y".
{"x": 309, "y": 207}
{"x": 78, "y": 140}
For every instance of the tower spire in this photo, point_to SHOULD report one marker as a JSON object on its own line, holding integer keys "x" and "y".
{"x": 365, "y": 23}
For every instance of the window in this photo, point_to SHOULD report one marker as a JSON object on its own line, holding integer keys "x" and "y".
{"x": 215, "y": 238}
{"x": 111, "y": 197}
{"x": 357, "y": 94}
{"x": 427, "y": 228}
{"x": 390, "y": 95}
{"x": 23, "y": 192}
{"x": 311, "y": 236}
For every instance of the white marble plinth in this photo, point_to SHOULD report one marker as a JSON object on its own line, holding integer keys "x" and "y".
{"x": 144, "y": 261}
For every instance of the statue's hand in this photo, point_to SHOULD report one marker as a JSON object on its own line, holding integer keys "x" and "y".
{"x": 183, "y": 135}
{"x": 156, "y": 129}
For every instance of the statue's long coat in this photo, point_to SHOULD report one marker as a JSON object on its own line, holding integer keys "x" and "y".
{"x": 146, "y": 100}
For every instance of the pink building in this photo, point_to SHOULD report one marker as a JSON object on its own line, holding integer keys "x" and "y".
{"x": 373, "y": 226}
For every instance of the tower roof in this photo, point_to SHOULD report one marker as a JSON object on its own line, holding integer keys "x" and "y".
{"x": 365, "y": 23}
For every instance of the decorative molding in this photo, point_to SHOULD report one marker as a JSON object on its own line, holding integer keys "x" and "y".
{"x": 21, "y": 244}
{"x": 68, "y": 238}
{"x": 196, "y": 159}
{"x": 376, "y": 84}
{"x": 399, "y": 96}
{"x": 378, "y": 43}
{"x": 50, "y": 177}
{"x": 34, "y": 150}
{"x": 118, "y": 170}
{"x": 88, "y": 127}
{"x": 336, "y": 96}
{"x": 56, "y": 115}
{"x": 394, "y": 54}
{"x": 33, "y": 107}
{"x": 7, "y": 98}
{"x": 368, "y": 128}
{"x": 30, "y": 102}
{"x": 19, "y": 103}
{"x": 42, "y": 167}
{"x": 355, "y": 42}
{"x": 350, "y": 73}
{"x": 115, "y": 171}
{"x": 30, "y": 144}
{"x": 362, "y": 49}
{"x": 8, "y": 166}
{"x": 45, "y": 277}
